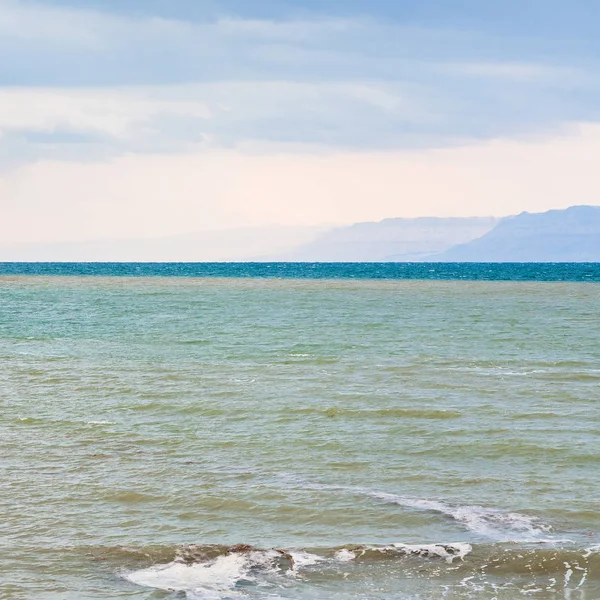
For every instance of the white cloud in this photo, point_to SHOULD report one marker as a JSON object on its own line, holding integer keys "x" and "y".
{"x": 114, "y": 113}
{"x": 32, "y": 21}
{"x": 159, "y": 195}
{"x": 94, "y": 29}
{"x": 113, "y": 84}
{"x": 221, "y": 114}
{"x": 286, "y": 31}
{"x": 518, "y": 71}
{"x": 323, "y": 47}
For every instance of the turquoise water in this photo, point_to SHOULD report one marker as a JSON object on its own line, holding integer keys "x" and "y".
{"x": 444, "y": 271}
{"x": 391, "y": 438}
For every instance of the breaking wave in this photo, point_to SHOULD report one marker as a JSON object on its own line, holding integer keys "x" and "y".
{"x": 493, "y": 523}
{"x": 210, "y": 572}
{"x": 210, "y": 579}
{"x": 215, "y": 572}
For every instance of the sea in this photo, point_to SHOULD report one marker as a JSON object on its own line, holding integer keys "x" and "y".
{"x": 299, "y": 431}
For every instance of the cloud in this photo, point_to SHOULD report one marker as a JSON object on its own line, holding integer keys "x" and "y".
{"x": 112, "y": 113}
{"x": 95, "y": 85}
{"x": 519, "y": 71}
{"x": 36, "y": 22}
{"x": 113, "y": 121}
{"x": 53, "y": 45}
{"x": 99, "y": 123}
{"x": 154, "y": 195}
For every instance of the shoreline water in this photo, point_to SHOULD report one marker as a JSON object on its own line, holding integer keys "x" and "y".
{"x": 146, "y": 419}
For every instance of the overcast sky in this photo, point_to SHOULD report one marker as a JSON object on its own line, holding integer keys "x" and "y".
{"x": 154, "y": 117}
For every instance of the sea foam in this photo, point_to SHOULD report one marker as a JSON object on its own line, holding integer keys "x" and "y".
{"x": 205, "y": 581}
{"x": 489, "y": 522}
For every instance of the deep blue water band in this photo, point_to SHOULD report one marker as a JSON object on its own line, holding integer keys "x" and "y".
{"x": 435, "y": 271}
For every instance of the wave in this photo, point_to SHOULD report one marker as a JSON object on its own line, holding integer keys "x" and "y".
{"x": 211, "y": 579}
{"x": 376, "y": 413}
{"x": 211, "y": 572}
{"x": 214, "y": 572}
{"x": 50, "y": 421}
{"x": 447, "y": 552}
{"x": 492, "y": 523}
{"x": 487, "y": 522}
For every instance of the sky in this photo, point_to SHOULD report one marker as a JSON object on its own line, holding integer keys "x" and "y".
{"x": 145, "y": 118}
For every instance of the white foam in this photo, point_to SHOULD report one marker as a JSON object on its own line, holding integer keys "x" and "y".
{"x": 490, "y": 522}
{"x": 345, "y": 555}
{"x": 446, "y": 551}
{"x": 568, "y": 573}
{"x": 502, "y": 526}
{"x": 592, "y": 550}
{"x": 305, "y": 559}
{"x": 205, "y": 581}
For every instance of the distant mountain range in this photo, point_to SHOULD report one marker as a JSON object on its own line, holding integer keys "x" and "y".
{"x": 570, "y": 235}
{"x": 390, "y": 240}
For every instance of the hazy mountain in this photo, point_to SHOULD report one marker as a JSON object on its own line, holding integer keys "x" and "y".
{"x": 554, "y": 236}
{"x": 227, "y": 245}
{"x": 570, "y": 235}
{"x": 389, "y": 240}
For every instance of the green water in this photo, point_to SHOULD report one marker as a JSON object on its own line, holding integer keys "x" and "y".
{"x": 330, "y": 419}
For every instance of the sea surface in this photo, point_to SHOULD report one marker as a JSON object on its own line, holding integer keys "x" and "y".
{"x": 369, "y": 432}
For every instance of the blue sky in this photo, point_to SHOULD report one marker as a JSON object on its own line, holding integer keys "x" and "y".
{"x": 91, "y": 81}
{"x": 351, "y": 73}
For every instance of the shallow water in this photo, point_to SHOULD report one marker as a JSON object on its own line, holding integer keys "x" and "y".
{"x": 328, "y": 419}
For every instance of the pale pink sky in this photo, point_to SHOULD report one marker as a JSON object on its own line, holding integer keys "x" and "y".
{"x": 147, "y": 118}
{"x": 154, "y": 195}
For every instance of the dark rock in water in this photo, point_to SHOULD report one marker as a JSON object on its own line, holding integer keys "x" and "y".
{"x": 241, "y": 549}
{"x": 288, "y": 556}
{"x": 196, "y": 553}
